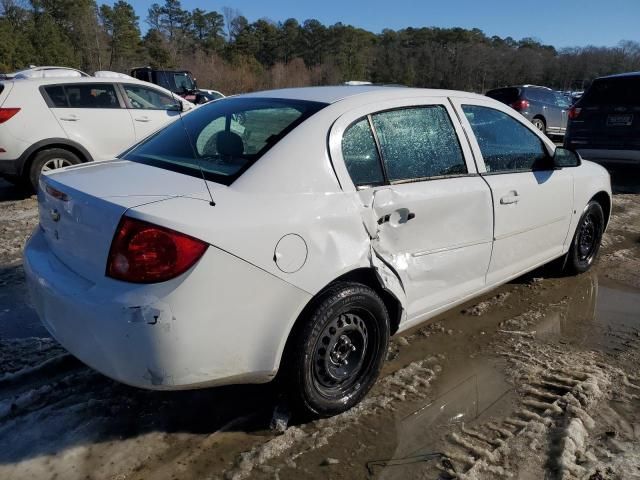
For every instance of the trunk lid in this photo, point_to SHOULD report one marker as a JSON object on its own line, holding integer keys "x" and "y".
{"x": 80, "y": 207}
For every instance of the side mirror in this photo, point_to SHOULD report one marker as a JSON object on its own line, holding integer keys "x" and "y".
{"x": 564, "y": 157}
{"x": 176, "y": 107}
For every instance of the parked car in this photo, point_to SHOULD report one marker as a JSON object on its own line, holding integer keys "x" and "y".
{"x": 48, "y": 123}
{"x": 545, "y": 108}
{"x": 300, "y": 239}
{"x": 180, "y": 82}
{"x": 604, "y": 124}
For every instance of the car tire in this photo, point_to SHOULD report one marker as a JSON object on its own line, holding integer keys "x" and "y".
{"x": 540, "y": 125}
{"x": 337, "y": 352}
{"x": 50, "y": 159}
{"x": 586, "y": 240}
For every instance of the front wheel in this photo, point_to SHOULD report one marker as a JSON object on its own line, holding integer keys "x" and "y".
{"x": 338, "y": 352}
{"x": 586, "y": 241}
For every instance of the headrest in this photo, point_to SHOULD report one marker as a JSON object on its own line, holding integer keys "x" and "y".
{"x": 229, "y": 144}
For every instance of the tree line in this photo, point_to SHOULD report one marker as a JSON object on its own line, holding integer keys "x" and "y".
{"x": 227, "y": 52}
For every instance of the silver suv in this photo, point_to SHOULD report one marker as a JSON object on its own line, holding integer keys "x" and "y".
{"x": 547, "y": 109}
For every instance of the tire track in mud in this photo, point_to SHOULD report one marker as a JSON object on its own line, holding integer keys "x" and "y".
{"x": 549, "y": 434}
{"x": 409, "y": 383}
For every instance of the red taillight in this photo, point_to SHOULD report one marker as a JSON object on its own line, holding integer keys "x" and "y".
{"x": 520, "y": 105}
{"x": 7, "y": 113}
{"x": 145, "y": 253}
{"x": 574, "y": 112}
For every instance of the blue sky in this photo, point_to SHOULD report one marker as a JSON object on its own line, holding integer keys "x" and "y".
{"x": 560, "y": 23}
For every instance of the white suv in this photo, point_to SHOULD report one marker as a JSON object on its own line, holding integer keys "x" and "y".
{"x": 48, "y": 123}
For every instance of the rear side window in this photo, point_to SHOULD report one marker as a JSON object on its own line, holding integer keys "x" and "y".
{"x": 82, "y": 95}
{"x": 613, "y": 91}
{"x": 220, "y": 140}
{"x": 57, "y": 96}
{"x": 418, "y": 143}
{"x": 506, "y": 144}
{"x": 361, "y": 155}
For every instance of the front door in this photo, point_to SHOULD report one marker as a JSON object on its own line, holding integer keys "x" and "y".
{"x": 150, "y": 109}
{"x": 532, "y": 200}
{"x": 428, "y": 212}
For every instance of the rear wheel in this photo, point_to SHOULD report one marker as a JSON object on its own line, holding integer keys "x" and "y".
{"x": 338, "y": 352}
{"x": 50, "y": 159}
{"x": 586, "y": 241}
{"x": 540, "y": 125}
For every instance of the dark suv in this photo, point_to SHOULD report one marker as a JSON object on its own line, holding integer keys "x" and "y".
{"x": 604, "y": 125}
{"x": 545, "y": 108}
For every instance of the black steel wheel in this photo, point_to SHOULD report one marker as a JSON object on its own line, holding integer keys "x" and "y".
{"x": 586, "y": 241}
{"x": 338, "y": 351}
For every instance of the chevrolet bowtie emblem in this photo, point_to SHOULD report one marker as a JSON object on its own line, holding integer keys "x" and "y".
{"x": 55, "y": 214}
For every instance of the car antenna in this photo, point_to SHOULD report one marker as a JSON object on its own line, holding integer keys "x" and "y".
{"x": 193, "y": 150}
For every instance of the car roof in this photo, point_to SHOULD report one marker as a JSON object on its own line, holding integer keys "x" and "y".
{"x": 50, "y": 80}
{"x": 336, "y": 93}
{"x": 621, "y": 75}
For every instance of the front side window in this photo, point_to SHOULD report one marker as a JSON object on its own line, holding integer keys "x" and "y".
{"x": 506, "y": 144}
{"x": 220, "y": 140}
{"x": 143, "y": 98}
{"x": 89, "y": 95}
{"x": 361, "y": 155}
{"x": 418, "y": 143}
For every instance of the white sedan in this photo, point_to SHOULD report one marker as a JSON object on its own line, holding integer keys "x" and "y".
{"x": 293, "y": 231}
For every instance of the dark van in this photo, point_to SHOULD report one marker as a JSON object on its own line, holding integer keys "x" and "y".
{"x": 604, "y": 125}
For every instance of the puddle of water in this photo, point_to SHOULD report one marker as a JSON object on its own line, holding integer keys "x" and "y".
{"x": 473, "y": 390}
{"x": 596, "y": 315}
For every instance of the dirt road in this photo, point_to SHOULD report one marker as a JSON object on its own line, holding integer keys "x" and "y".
{"x": 539, "y": 379}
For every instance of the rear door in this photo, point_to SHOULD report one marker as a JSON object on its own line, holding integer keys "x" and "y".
{"x": 92, "y": 115}
{"x": 428, "y": 212}
{"x": 562, "y": 102}
{"x": 150, "y": 109}
{"x": 551, "y": 111}
{"x": 532, "y": 201}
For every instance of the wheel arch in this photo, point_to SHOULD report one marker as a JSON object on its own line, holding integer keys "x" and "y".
{"x": 604, "y": 200}
{"x": 366, "y": 276}
{"x": 540, "y": 117}
{"x": 63, "y": 143}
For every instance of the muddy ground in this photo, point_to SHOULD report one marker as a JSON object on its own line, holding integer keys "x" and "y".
{"x": 538, "y": 379}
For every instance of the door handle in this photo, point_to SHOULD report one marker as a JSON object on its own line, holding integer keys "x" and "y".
{"x": 510, "y": 198}
{"x": 400, "y": 216}
{"x": 143, "y": 119}
{"x": 70, "y": 118}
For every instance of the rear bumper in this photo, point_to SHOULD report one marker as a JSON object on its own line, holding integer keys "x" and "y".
{"x": 224, "y": 321}
{"x": 610, "y": 156}
{"x": 10, "y": 167}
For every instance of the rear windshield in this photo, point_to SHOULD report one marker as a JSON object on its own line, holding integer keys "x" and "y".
{"x": 613, "y": 91}
{"x": 220, "y": 140}
{"x": 504, "y": 95}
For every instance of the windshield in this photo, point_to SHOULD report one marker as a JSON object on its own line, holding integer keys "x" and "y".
{"x": 224, "y": 138}
{"x": 504, "y": 95}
